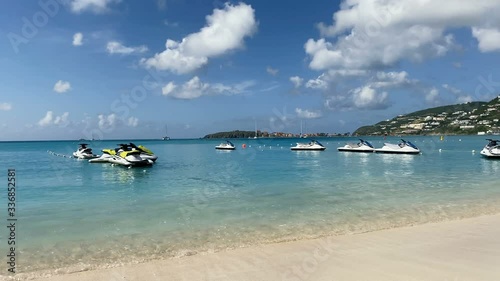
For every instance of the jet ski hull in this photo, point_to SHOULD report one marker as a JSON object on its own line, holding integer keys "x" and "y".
{"x": 224, "y": 148}
{"x": 389, "y": 151}
{"x": 84, "y": 155}
{"x": 308, "y": 148}
{"x": 491, "y": 154}
{"x": 124, "y": 162}
{"x": 101, "y": 159}
{"x": 353, "y": 149}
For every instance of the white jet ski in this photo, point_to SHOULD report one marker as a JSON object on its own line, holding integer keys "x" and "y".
{"x": 226, "y": 146}
{"x": 404, "y": 147}
{"x": 492, "y": 149}
{"x": 145, "y": 153}
{"x": 312, "y": 145}
{"x": 84, "y": 152}
{"x": 361, "y": 146}
{"x": 104, "y": 157}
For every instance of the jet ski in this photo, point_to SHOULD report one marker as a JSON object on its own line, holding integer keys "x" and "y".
{"x": 361, "y": 146}
{"x": 104, "y": 157}
{"x": 84, "y": 152}
{"x": 128, "y": 156}
{"x": 145, "y": 153}
{"x": 312, "y": 145}
{"x": 404, "y": 147}
{"x": 226, "y": 146}
{"x": 492, "y": 149}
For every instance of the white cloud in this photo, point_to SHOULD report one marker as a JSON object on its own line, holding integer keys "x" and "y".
{"x": 61, "y": 120}
{"x": 337, "y": 73}
{"x": 381, "y": 33}
{"x": 272, "y": 71}
{"x": 319, "y": 83}
{"x": 368, "y": 98}
{"x": 195, "y": 88}
{"x": 114, "y": 47}
{"x": 464, "y": 99}
{"x": 5, "y": 106}
{"x": 307, "y": 114}
{"x": 62, "y": 86}
{"x": 192, "y": 89}
{"x": 296, "y": 81}
{"x": 391, "y": 79}
{"x": 338, "y": 101}
{"x": 460, "y": 96}
{"x": 96, "y": 6}
{"x": 432, "y": 95}
{"x": 47, "y": 120}
{"x": 169, "y": 88}
{"x": 365, "y": 97}
{"x": 50, "y": 119}
{"x": 225, "y": 31}
{"x": 78, "y": 39}
{"x": 452, "y": 89}
{"x": 488, "y": 38}
{"x": 107, "y": 121}
{"x": 133, "y": 122}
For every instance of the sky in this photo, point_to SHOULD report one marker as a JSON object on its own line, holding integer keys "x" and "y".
{"x": 111, "y": 69}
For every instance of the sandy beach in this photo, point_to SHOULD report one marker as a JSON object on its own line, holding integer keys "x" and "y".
{"x": 467, "y": 249}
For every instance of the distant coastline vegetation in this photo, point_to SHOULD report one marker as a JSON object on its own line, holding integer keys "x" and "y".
{"x": 469, "y": 118}
{"x": 263, "y": 134}
{"x": 458, "y": 119}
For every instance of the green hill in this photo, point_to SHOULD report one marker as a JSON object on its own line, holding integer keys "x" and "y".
{"x": 231, "y": 135}
{"x": 465, "y": 118}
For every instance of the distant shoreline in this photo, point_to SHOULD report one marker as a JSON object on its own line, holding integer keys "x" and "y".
{"x": 305, "y": 138}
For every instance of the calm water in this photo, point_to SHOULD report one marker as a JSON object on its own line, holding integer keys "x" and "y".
{"x": 76, "y": 215}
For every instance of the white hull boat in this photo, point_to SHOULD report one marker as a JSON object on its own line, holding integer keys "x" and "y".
{"x": 84, "y": 152}
{"x": 145, "y": 153}
{"x": 361, "y": 146}
{"x": 127, "y": 155}
{"x": 129, "y": 159}
{"x": 404, "y": 147}
{"x": 312, "y": 145}
{"x": 101, "y": 159}
{"x": 226, "y": 146}
{"x": 492, "y": 149}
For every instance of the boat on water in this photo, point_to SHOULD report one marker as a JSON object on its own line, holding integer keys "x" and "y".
{"x": 84, "y": 152}
{"x": 361, "y": 146}
{"x": 226, "y": 146}
{"x": 145, "y": 152}
{"x": 127, "y": 155}
{"x": 404, "y": 147}
{"x": 312, "y": 145}
{"x": 104, "y": 157}
{"x": 492, "y": 149}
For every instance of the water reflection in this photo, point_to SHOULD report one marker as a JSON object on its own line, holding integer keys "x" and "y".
{"x": 398, "y": 159}
{"x": 490, "y": 166}
{"x": 120, "y": 174}
{"x": 305, "y": 153}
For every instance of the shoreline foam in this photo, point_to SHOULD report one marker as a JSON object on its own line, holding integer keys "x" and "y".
{"x": 466, "y": 249}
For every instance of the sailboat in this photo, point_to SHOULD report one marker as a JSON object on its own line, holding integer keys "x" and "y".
{"x": 255, "y": 129}
{"x": 301, "y": 134}
{"x": 166, "y": 137}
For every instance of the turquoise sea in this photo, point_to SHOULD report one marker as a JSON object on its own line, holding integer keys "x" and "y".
{"x": 74, "y": 215}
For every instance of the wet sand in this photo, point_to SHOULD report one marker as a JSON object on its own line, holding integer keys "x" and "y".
{"x": 467, "y": 249}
